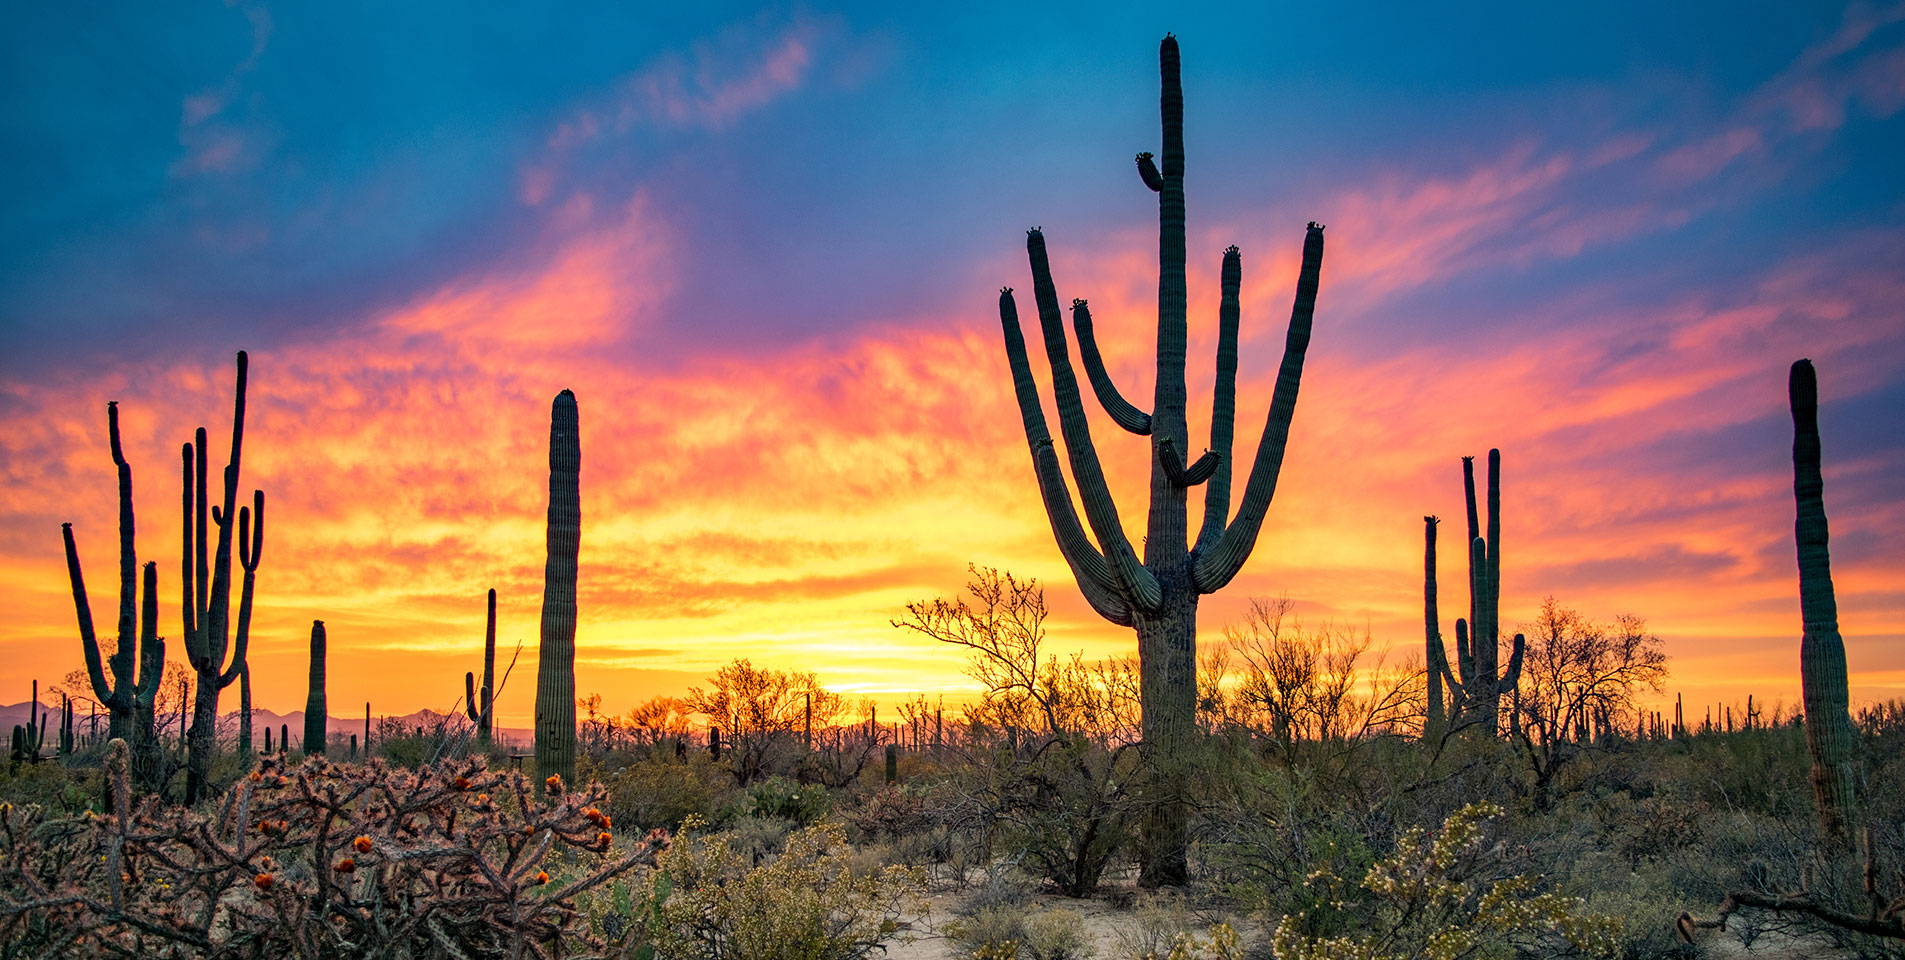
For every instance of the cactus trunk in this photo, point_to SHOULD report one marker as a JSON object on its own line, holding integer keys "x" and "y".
{"x": 555, "y": 674}
{"x": 314, "y": 709}
{"x": 1158, "y": 595}
{"x": 1822, "y": 667}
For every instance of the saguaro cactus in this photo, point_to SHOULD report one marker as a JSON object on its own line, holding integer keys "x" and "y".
{"x": 480, "y": 709}
{"x": 1822, "y": 671}
{"x": 206, "y": 594}
{"x": 1158, "y": 595}
{"x": 1476, "y": 697}
{"x": 314, "y": 726}
{"x": 555, "y": 673}
{"x": 123, "y": 695}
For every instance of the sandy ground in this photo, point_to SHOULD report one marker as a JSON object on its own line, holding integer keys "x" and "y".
{"x": 1108, "y": 914}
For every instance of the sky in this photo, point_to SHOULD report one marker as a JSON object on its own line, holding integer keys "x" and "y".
{"x": 763, "y": 246}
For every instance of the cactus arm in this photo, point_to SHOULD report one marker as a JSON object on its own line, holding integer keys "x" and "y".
{"x": 1511, "y": 678}
{"x": 121, "y": 661}
{"x": 188, "y": 614}
{"x": 203, "y": 582}
{"x": 251, "y": 546}
{"x": 1822, "y": 665}
{"x": 1464, "y": 658}
{"x": 1223, "y": 412}
{"x": 1474, "y": 531}
{"x": 151, "y": 645}
{"x": 1121, "y": 411}
{"x": 1177, "y": 472}
{"x": 1094, "y": 576}
{"x": 1216, "y": 566}
{"x": 1148, "y": 172}
{"x": 1431, "y": 624}
{"x": 469, "y": 697}
{"x": 1488, "y": 652}
{"x": 1095, "y": 579}
{"x": 95, "y": 669}
{"x": 1101, "y": 512}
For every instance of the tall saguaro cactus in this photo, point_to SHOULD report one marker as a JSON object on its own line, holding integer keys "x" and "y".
{"x": 1157, "y": 596}
{"x": 1475, "y": 698}
{"x": 314, "y": 709}
{"x": 1822, "y": 670}
{"x": 1437, "y": 657}
{"x": 206, "y": 593}
{"x": 133, "y": 682}
{"x": 480, "y": 710}
{"x": 555, "y": 673}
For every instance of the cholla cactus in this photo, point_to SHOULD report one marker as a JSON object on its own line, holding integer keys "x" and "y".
{"x": 318, "y": 860}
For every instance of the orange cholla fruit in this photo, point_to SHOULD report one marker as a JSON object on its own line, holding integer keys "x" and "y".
{"x": 542, "y": 876}
{"x": 554, "y": 783}
{"x": 256, "y": 776}
{"x": 603, "y": 838}
{"x": 463, "y": 783}
{"x": 263, "y": 881}
{"x": 345, "y": 865}
{"x": 362, "y": 844}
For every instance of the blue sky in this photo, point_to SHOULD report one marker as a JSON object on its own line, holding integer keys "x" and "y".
{"x": 1594, "y": 236}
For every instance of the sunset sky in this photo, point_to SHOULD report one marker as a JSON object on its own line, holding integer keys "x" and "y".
{"x": 764, "y": 247}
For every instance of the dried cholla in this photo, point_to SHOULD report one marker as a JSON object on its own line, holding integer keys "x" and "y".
{"x": 433, "y": 869}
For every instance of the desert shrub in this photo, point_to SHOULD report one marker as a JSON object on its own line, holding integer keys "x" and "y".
{"x": 53, "y": 785}
{"x": 707, "y": 901}
{"x": 1163, "y": 927}
{"x": 321, "y": 860}
{"x": 1442, "y": 896}
{"x": 779, "y": 797}
{"x": 662, "y": 791}
{"x": 1021, "y": 931}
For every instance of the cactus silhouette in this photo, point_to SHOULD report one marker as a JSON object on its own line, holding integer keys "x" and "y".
{"x": 1437, "y": 662}
{"x": 124, "y": 694}
{"x": 244, "y": 712}
{"x": 555, "y": 674}
{"x": 206, "y": 591}
{"x": 1474, "y": 698}
{"x": 314, "y": 701}
{"x": 1158, "y": 595}
{"x": 1822, "y": 669}
{"x": 480, "y": 709}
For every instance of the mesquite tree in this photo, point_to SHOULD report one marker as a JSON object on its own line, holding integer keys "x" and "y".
{"x": 132, "y": 684}
{"x": 1157, "y": 596}
{"x": 479, "y": 710}
{"x": 314, "y": 708}
{"x": 207, "y": 592}
{"x": 1822, "y": 671}
{"x": 555, "y": 672}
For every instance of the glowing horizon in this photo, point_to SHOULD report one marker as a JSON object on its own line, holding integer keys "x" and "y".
{"x": 769, "y": 280}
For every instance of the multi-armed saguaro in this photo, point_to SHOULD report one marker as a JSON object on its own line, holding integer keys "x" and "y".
{"x": 479, "y": 710}
{"x": 1476, "y": 697}
{"x": 555, "y": 673}
{"x": 124, "y": 695}
{"x": 1822, "y": 671}
{"x": 1158, "y": 595}
{"x": 207, "y": 593}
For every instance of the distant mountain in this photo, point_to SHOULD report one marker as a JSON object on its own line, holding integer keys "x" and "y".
{"x": 12, "y": 715}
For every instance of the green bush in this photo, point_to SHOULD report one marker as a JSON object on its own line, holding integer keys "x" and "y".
{"x": 1021, "y": 931}
{"x": 663, "y": 791}
{"x": 780, "y": 797}
{"x": 707, "y": 901}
